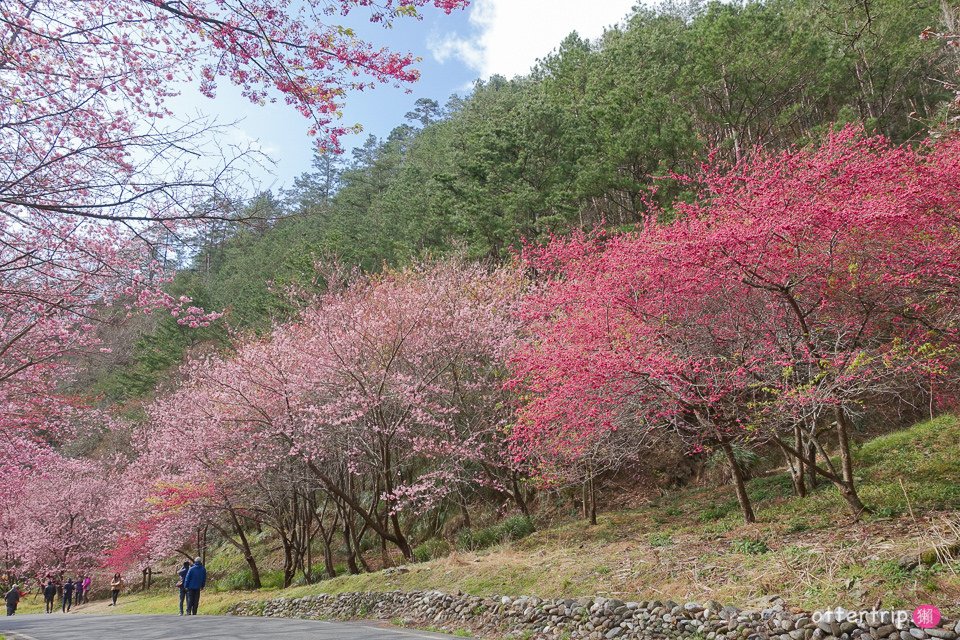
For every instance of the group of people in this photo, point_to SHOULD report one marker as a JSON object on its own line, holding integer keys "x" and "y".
{"x": 72, "y": 592}
{"x": 192, "y": 577}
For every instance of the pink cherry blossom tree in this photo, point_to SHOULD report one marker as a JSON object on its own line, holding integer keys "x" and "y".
{"x": 96, "y": 165}
{"x": 384, "y": 400}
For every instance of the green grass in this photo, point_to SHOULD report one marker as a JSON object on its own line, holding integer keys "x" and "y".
{"x": 692, "y": 544}
{"x": 751, "y": 546}
{"x": 513, "y": 528}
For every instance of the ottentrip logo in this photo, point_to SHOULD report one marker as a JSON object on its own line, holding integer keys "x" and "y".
{"x": 926, "y": 616}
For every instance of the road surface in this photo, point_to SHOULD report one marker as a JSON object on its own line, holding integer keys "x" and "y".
{"x": 59, "y": 626}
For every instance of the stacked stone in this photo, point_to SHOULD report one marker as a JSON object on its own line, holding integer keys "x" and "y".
{"x": 590, "y": 618}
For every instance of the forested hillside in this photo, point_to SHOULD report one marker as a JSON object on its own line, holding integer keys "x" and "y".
{"x": 595, "y": 134}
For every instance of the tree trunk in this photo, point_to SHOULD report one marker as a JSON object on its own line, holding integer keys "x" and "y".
{"x": 352, "y": 567}
{"x": 584, "y": 500}
{"x": 244, "y": 547}
{"x": 381, "y": 530}
{"x": 848, "y": 489}
{"x": 794, "y": 465}
{"x": 738, "y": 483}
{"x": 799, "y": 484}
{"x": 810, "y": 465}
{"x": 593, "y": 500}
{"x": 518, "y": 495}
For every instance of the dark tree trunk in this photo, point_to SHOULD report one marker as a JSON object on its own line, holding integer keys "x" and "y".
{"x": 352, "y": 567}
{"x": 593, "y": 500}
{"x": 799, "y": 483}
{"x": 244, "y": 547}
{"x": 737, "y": 474}
{"x": 810, "y": 465}
{"x": 518, "y": 496}
{"x": 848, "y": 488}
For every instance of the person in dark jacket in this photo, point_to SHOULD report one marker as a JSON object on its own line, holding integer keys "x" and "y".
{"x": 49, "y": 595}
{"x": 78, "y": 591}
{"x": 13, "y": 599}
{"x": 194, "y": 581}
{"x": 67, "y": 602}
{"x": 182, "y": 574}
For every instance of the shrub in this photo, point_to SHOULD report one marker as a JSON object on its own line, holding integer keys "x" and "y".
{"x": 751, "y": 546}
{"x": 797, "y": 526}
{"x": 716, "y": 512}
{"x": 431, "y": 549}
{"x": 660, "y": 539}
{"x": 513, "y": 528}
{"x": 517, "y": 527}
{"x": 886, "y": 512}
{"x": 771, "y": 487}
{"x": 236, "y": 581}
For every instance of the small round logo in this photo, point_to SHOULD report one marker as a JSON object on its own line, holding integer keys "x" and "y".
{"x": 926, "y": 616}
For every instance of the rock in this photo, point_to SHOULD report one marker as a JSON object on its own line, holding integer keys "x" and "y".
{"x": 919, "y": 634}
{"x": 729, "y": 612}
{"x": 613, "y": 633}
{"x": 943, "y": 634}
{"x": 829, "y": 627}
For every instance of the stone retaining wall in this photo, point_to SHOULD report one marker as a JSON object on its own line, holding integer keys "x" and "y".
{"x": 590, "y": 618}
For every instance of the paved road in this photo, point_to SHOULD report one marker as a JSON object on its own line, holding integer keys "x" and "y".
{"x": 58, "y": 627}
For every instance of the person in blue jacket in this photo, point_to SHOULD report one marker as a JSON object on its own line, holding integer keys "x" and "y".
{"x": 193, "y": 582}
{"x": 181, "y": 576}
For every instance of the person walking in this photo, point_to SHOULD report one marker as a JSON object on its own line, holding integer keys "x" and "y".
{"x": 182, "y": 574}
{"x": 194, "y": 581}
{"x": 49, "y": 595}
{"x": 78, "y": 591}
{"x": 115, "y": 585}
{"x": 13, "y": 599}
{"x": 87, "y": 581}
{"x": 67, "y": 602}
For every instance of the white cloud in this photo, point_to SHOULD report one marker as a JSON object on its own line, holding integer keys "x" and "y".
{"x": 509, "y": 35}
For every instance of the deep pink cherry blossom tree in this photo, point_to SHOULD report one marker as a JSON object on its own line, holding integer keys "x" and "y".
{"x": 797, "y": 289}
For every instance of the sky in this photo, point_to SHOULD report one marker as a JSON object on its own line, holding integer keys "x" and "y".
{"x": 490, "y": 37}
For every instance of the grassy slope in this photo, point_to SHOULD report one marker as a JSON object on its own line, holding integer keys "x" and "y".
{"x": 692, "y": 544}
